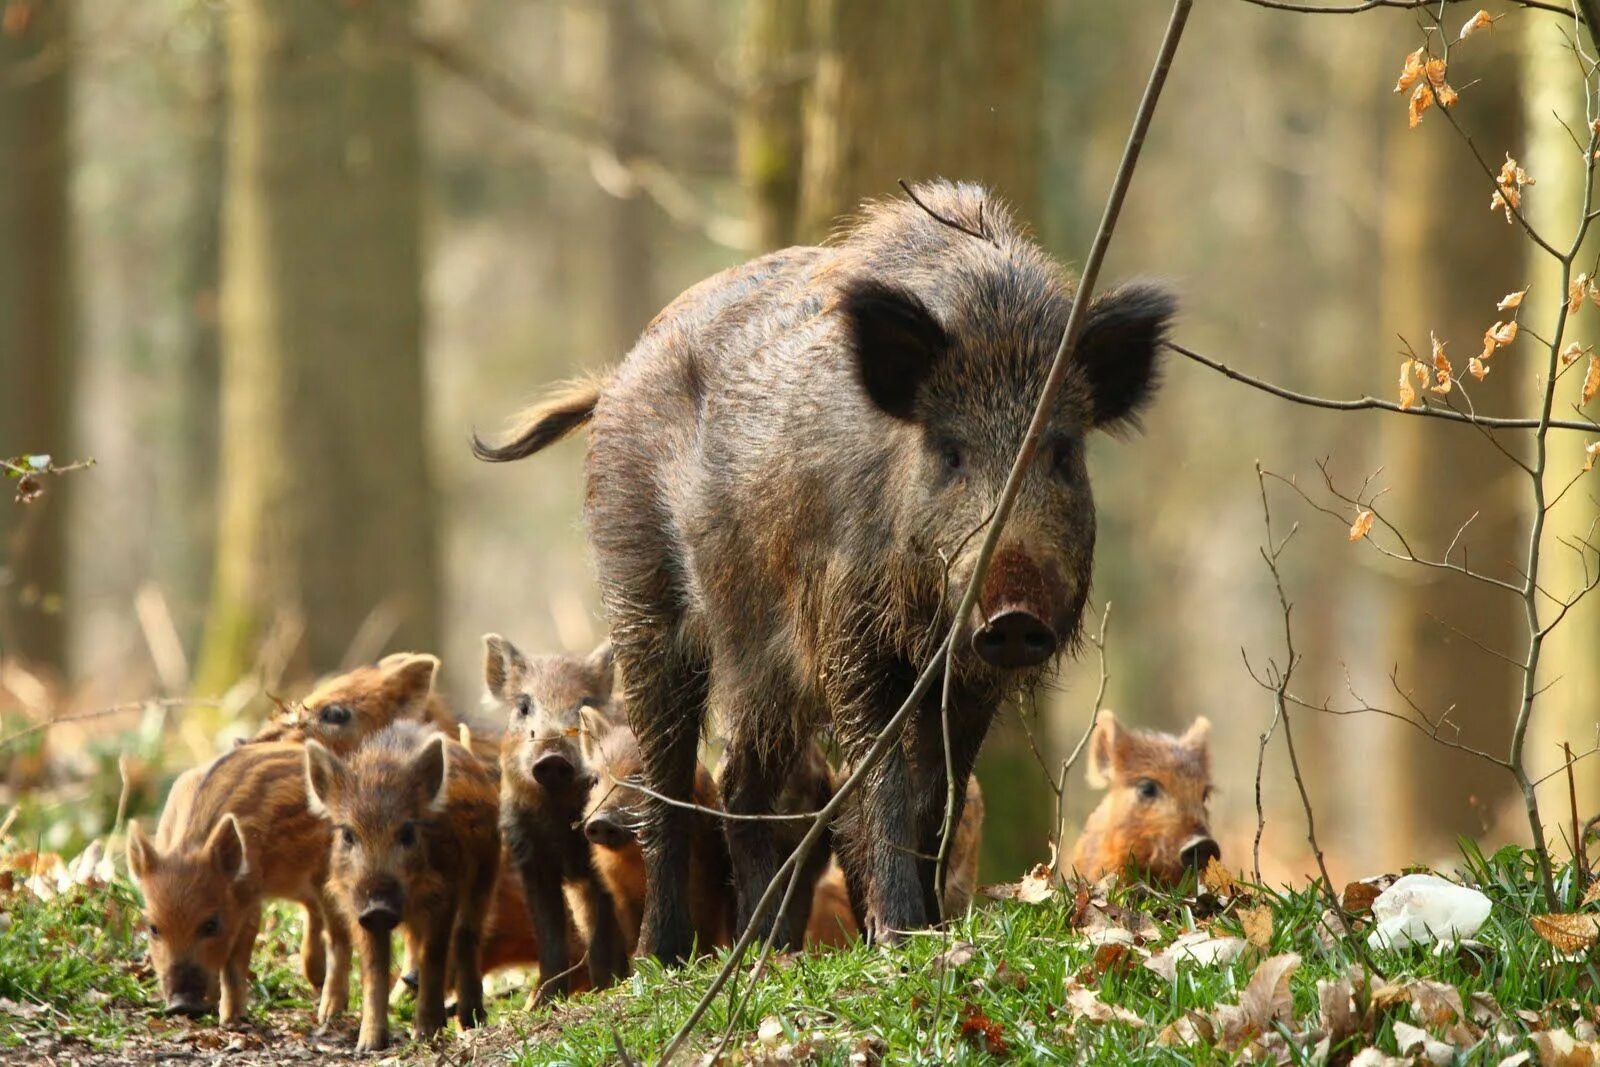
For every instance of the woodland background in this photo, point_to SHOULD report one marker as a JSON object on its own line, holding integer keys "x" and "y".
{"x": 269, "y": 262}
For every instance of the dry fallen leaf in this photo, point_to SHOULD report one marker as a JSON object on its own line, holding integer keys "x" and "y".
{"x": 1372, "y": 1056}
{"x": 955, "y": 957}
{"x": 1557, "y": 1048}
{"x": 1359, "y": 529}
{"x": 1592, "y": 895}
{"x": 1216, "y": 879}
{"x": 1257, "y": 922}
{"x": 1481, "y": 21}
{"x": 1196, "y": 947}
{"x": 1086, "y": 1004}
{"x": 1266, "y": 996}
{"x": 1591, "y": 381}
{"x": 1034, "y": 888}
{"x": 1414, "y": 1040}
{"x": 1511, "y": 301}
{"x": 1567, "y": 932}
{"x": 982, "y": 1031}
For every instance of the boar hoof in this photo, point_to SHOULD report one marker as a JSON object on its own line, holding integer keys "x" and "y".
{"x": 373, "y": 1039}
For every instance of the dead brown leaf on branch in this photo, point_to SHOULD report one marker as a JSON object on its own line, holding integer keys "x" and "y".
{"x": 1509, "y": 185}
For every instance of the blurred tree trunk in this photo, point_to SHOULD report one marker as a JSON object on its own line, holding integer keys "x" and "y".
{"x": 326, "y": 501}
{"x": 1436, "y": 219}
{"x": 36, "y": 321}
{"x": 960, "y": 99}
{"x": 1567, "y": 711}
{"x": 769, "y": 123}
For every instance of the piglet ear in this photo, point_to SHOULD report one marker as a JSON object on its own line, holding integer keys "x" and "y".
{"x": 1103, "y": 751}
{"x": 142, "y": 855}
{"x": 604, "y": 665}
{"x": 895, "y": 339}
{"x": 430, "y": 769}
{"x": 1197, "y": 738}
{"x": 227, "y": 850}
{"x": 408, "y": 681}
{"x": 1120, "y": 351}
{"x": 326, "y": 775}
{"x": 502, "y": 666}
{"x": 595, "y": 729}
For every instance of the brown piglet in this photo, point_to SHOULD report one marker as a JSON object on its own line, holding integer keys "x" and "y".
{"x": 415, "y": 844}
{"x": 612, "y": 824}
{"x": 545, "y": 784}
{"x": 1153, "y": 817}
{"x": 233, "y": 834}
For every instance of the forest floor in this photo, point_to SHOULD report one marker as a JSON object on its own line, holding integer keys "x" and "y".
{"x": 1061, "y": 974}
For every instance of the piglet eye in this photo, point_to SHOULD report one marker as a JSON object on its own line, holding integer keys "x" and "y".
{"x": 154, "y": 931}
{"x": 347, "y": 837}
{"x": 210, "y": 927}
{"x": 1147, "y": 789}
{"x": 524, "y": 705}
{"x": 334, "y": 715}
{"x": 407, "y": 835}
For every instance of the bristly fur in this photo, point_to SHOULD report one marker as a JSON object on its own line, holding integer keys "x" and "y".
{"x": 567, "y": 409}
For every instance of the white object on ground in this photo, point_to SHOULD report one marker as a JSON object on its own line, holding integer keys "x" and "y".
{"x": 1420, "y": 909}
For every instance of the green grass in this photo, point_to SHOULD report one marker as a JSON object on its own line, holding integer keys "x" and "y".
{"x": 81, "y": 956}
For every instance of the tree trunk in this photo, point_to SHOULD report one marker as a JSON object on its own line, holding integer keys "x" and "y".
{"x": 1566, "y": 712}
{"x": 959, "y": 100}
{"x": 36, "y": 323}
{"x": 326, "y": 501}
{"x": 769, "y": 124}
{"x": 1435, "y": 219}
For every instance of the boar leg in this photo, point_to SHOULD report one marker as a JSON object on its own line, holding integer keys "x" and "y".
{"x": 433, "y": 958}
{"x": 756, "y": 769}
{"x": 666, "y": 697}
{"x": 466, "y": 950}
{"x": 877, "y": 845}
{"x": 336, "y": 980}
{"x": 313, "y": 953}
{"x": 930, "y": 788}
{"x": 541, "y": 880}
{"x": 236, "y": 972}
{"x": 375, "y": 967}
{"x": 597, "y": 913}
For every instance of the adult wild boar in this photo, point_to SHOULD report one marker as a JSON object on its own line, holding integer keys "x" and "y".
{"x": 788, "y": 478}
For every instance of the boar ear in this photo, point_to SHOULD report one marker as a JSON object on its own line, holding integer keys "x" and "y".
{"x": 502, "y": 665}
{"x": 226, "y": 849}
{"x": 408, "y": 681}
{"x": 1103, "y": 751}
{"x": 595, "y": 728}
{"x": 604, "y": 666}
{"x": 142, "y": 855}
{"x": 896, "y": 341}
{"x": 326, "y": 776}
{"x": 430, "y": 769}
{"x": 1120, "y": 351}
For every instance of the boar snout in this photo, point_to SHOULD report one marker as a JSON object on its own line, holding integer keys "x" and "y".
{"x": 1199, "y": 851}
{"x": 553, "y": 770}
{"x": 1015, "y": 638}
{"x": 381, "y": 908}
{"x": 189, "y": 992}
{"x": 606, "y": 832}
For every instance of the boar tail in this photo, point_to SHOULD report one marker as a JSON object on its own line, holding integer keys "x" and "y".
{"x": 547, "y": 422}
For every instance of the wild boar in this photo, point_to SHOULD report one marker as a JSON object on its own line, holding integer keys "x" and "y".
{"x": 787, "y": 482}
{"x": 616, "y": 808}
{"x": 544, "y": 790}
{"x": 235, "y": 833}
{"x": 416, "y": 843}
{"x": 1153, "y": 817}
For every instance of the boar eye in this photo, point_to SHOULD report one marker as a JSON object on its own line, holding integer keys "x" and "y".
{"x": 524, "y": 705}
{"x": 347, "y": 837}
{"x": 950, "y": 455}
{"x": 1064, "y": 456}
{"x": 1147, "y": 789}
{"x": 210, "y": 927}
{"x": 407, "y": 835}
{"x": 334, "y": 715}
